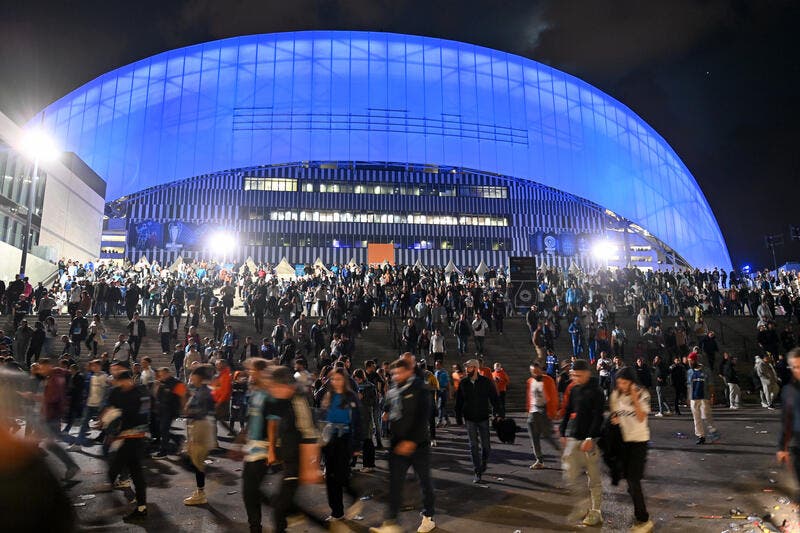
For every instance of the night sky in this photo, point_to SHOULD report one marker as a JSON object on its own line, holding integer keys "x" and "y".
{"x": 719, "y": 80}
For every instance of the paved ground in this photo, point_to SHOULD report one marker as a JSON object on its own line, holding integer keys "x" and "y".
{"x": 686, "y": 487}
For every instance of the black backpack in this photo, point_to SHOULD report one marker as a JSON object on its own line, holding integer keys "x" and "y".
{"x": 506, "y": 430}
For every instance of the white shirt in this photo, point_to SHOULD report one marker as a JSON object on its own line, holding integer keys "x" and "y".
{"x": 632, "y": 429}
{"x": 537, "y": 400}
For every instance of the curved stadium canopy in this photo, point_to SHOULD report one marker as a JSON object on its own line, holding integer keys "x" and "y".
{"x": 364, "y": 96}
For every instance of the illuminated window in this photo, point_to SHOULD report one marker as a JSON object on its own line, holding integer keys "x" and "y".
{"x": 388, "y": 218}
{"x": 270, "y": 184}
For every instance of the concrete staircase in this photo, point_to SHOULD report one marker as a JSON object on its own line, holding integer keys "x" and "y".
{"x": 513, "y": 349}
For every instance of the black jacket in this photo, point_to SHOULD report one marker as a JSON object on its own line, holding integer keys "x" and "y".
{"x": 583, "y": 415}
{"x": 729, "y": 372}
{"x": 413, "y": 423}
{"x": 473, "y": 399}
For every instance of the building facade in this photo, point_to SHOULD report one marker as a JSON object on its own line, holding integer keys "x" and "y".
{"x": 67, "y": 208}
{"x": 381, "y": 110}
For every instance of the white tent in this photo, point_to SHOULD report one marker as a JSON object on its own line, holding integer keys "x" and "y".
{"x": 177, "y": 264}
{"x": 451, "y": 267}
{"x": 419, "y": 266}
{"x": 143, "y": 262}
{"x": 284, "y": 270}
{"x": 575, "y": 269}
{"x": 353, "y": 263}
{"x": 482, "y": 269}
{"x": 319, "y": 266}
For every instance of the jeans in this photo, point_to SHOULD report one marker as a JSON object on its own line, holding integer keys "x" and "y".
{"x": 129, "y": 458}
{"x": 479, "y": 344}
{"x": 661, "y": 403}
{"x": 480, "y": 455}
{"x": 539, "y": 426}
{"x": 634, "y": 457}
{"x": 166, "y": 341}
{"x": 441, "y": 406}
{"x": 701, "y": 413}
{"x": 136, "y": 342}
{"x": 398, "y": 466}
{"x": 462, "y": 344}
{"x": 574, "y": 462}
{"x": 680, "y": 395}
{"x": 734, "y": 395}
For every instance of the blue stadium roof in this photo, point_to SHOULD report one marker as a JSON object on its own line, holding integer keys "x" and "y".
{"x": 366, "y": 96}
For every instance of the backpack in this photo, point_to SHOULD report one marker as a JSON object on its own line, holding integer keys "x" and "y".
{"x": 506, "y": 430}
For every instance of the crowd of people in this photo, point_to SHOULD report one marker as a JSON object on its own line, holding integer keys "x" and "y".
{"x": 300, "y": 381}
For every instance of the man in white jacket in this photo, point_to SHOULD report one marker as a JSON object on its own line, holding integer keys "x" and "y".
{"x": 98, "y": 383}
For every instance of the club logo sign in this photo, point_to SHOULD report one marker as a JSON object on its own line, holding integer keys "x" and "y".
{"x": 550, "y": 244}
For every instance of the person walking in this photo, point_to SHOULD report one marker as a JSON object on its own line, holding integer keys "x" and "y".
{"x": 475, "y": 396}
{"x": 579, "y": 429}
{"x": 341, "y": 439}
{"x": 171, "y": 398}
{"x": 789, "y": 433}
{"x": 98, "y": 383}
{"x": 629, "y": 405}
{"x": 731, "y": 377}
{"x": 126, "y": 419}
{"x": 700, "y": 401}
{"x": 442, "y": 394}
{"x": 541, "y": 400}
{"x": 677, "y": 376}
{"x": 297, "y": 450}
{"x": 407, "y": 406}
{"x": 200, "y": 422}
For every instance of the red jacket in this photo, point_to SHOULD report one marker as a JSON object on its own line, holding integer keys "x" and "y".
{"x": 54, "y": 399}
{"x": 550, "y": 396}
{"x": 221, "y": 391}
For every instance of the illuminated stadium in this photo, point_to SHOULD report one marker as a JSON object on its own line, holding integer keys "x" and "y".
{"x": 321, "y": 144}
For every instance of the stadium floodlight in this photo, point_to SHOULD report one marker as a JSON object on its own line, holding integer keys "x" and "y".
{"x": 38, "y": 146}
{"x": 604, "y": 250}
{"x": 222, "y": 242}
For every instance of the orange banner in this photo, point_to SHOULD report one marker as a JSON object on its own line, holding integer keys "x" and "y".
{"x": 377, "y": 253}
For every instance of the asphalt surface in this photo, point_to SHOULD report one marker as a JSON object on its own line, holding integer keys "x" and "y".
{"x": 688, "y": 487}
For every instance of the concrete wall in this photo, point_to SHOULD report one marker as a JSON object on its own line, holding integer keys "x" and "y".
{"x": 72, "y": 216}
{"x": 38, "y": 269}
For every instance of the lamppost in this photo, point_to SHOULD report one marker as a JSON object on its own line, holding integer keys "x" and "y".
{"x": 36, "y": 145}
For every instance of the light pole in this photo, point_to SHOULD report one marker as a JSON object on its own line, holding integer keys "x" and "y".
{"x": 38, "y": 146}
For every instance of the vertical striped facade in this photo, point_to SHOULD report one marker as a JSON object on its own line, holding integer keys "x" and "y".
{"x": 519, "y": 208}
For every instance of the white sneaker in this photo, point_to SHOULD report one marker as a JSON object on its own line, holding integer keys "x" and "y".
{"x": 659, "y": 414}
{"x": 198, "y": 497}
{"x": 643, "y": 527}
{"x": 433, "y": 444}
{"x": 593, "y": 518}
{"x": 538, "y": 465}
{"x": 354, "y": 510}
{"x": 427, "y": 525}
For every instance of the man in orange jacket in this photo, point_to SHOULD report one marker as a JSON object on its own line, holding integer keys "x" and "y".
{"x": 542, "y": 405}
{"x": 221, "y": 388}
{"x": 501, "y": 381}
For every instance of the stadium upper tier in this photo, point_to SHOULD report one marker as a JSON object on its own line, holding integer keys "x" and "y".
{"x": 365, "y": 96}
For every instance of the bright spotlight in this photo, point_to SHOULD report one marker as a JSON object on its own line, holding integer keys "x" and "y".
{"x": 35, "y": 143}
{"x": 222, "y": 241}
{"x": 604, "y": 250}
